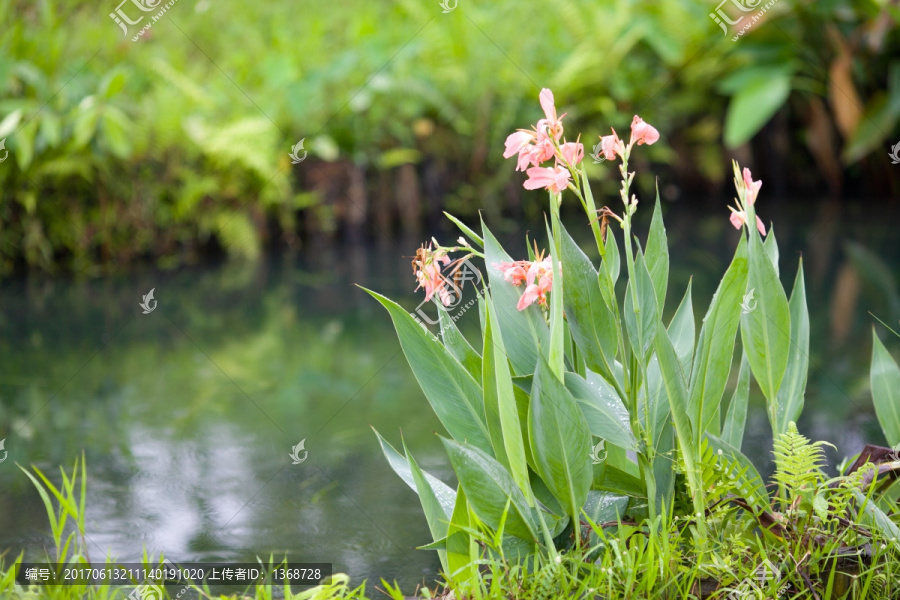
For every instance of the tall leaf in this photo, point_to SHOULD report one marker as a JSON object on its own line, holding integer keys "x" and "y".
{"x": 524, "y": 332}
{"x": 673, "y": 383}
{"x": 641, "y": 309}
{"x": 457, "y": 344}
{"x": 444, "y": 494}
{"x": 682, "y": 331}
{"x": 765, "y": 325}
{"x": 715, "y": 347}
{"x": 435, "y": 514}
{"x": 736, "y": 417}
{"x": 771, "y": 248}
{"x": 885, "y": 381}
{"x": 556, "y": 351}
{"x": 498, "y": 393}
{"x": 657, "y": 255}
{"x": 609, "y": 270}
{"x": 462, "y": 550}
{"x": 452, "y": 392}
{"x": 591, "y": 322}
{"x": 789, "y": 402}
{"x": 560, "y": 440}
{"x": 489, "y": 487}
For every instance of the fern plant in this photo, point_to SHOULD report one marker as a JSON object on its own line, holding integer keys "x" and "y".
{"x": 798, "y": 463}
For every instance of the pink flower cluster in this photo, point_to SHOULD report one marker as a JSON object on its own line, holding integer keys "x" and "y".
{"x": 427, "y": 268}
{"x": 641, "y": 133}
{"x": 751, "y": 189}
{"x": 537, "y": 277}
{"x": 537, "y": 146}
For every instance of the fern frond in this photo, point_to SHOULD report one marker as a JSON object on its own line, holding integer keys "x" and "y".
{"x": 798, "y": 462}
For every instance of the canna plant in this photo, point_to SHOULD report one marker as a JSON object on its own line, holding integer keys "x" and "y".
{"x": 572, "y": 360}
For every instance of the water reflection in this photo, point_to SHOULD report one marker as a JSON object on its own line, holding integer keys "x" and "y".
{"x": 187, "y": 415}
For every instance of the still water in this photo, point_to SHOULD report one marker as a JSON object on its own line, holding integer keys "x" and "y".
{"x": 187, "y": 415}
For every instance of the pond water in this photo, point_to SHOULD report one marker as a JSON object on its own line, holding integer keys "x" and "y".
{"x": 187, "y": 415}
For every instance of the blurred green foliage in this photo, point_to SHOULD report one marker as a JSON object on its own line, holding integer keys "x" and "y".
{"x": 177, "y": 143}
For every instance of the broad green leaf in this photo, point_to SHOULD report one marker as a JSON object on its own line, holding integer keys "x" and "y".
{"x": 115, "y": 126}
{"x": 736, "y": 417}
{"x": 641, "y": 310}
{"x": 435, "y": 513}
{"x": 457, "y": 344}
{"x": 452, "y": 392}
{"x": 753, "y": 105}
{"x": 610, "y": 479}
{"x": 603, "y": 507}
{"x": 560, "y": 440}
{"x": 771, "y": 248}
{"x": 462, "y": 550}
{"x": 682, "y": 331}
{"x": 715, "y": 347}
{"x": 657, "y": 255}
{"x": 524, "y": 332}
{"x": 765, "y": 322}
{"x": 499, "y": 394}
{"x": 878, "y": 119}
{"x": 592, "y": 324}
{"x": 445, "y": 495}
{"x": 755, "y": 491}
{"x": 606, "y": 415}
{"x": 885, "y": 381}
{"x": 9, "y": 123}
{"x": 793, "y": 386}
{"x": 488, "y": 486}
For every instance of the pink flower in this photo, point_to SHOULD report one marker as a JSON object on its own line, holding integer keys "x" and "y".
{"x": 517, "y": 141}
{"x": 643, "y": 133}
{"x": 554, "y": 179}
{"x": 572, "y": 152}
{"x": 739, "y": 217}
{"x": 540, "y": 152}
{"x": 541, "y": 273}
{"x": 611, "y": 145}
{"x": 551, "y": 125}
{"x": 427, "y": 268}
{"x": 515, "y": 272}
{"x": 751, "y": 186}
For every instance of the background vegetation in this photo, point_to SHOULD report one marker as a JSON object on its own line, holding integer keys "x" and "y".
{"x": 177, "y": 145}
